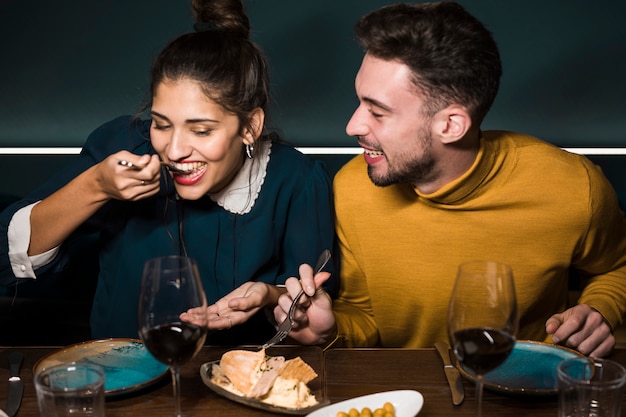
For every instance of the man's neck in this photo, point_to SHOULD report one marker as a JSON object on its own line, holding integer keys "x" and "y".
{"x": 453, "y": 160}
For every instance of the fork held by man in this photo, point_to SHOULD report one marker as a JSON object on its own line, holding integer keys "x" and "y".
{"x": 286, "y": 325}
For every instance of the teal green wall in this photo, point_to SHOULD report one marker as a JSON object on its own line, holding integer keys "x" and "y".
{"x": 67, "y": 66}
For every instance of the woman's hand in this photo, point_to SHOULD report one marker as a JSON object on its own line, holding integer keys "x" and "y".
{"x": 120, "y": 182}
{"x": 58, "y": 215}
{"x": 240, "y": 304}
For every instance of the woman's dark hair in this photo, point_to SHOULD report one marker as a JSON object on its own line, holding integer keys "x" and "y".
{"x": 453, "y": 57}
{"x": 220, "y": 56}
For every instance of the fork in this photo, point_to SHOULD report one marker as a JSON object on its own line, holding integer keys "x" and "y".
{"x": 130, "y": 165}
{"x": 285, "y": 327}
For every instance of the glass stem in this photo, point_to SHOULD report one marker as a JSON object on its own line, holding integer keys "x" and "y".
{"x": 479, "y": 395}
{"x": 176, "y": 387}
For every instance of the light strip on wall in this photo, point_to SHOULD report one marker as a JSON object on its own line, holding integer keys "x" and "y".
{"x": 303, "y": 149}
{"x": 40, "y": 151}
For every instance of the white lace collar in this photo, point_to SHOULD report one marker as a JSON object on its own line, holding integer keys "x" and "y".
{"x": 240, "y": 195}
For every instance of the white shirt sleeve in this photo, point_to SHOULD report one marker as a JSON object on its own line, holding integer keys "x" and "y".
{"x": 19, "y": 239}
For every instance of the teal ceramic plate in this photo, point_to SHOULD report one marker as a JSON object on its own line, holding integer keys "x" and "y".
{"x": 530, "y": 369}
{"x": 128, "y": 366}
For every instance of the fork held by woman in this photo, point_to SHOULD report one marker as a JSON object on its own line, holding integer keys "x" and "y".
{"x": 130, "y": 165}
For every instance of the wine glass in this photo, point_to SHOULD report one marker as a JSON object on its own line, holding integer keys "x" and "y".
{"x": 482, "y": 318}
{"x": 171, "y": 286}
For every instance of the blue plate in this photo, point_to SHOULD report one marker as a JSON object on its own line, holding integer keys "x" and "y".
{"x": 128, "y": 366}
{"x": 531, "y": 368}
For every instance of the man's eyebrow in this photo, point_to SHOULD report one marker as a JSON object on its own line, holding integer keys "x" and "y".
{"x": 377, "y": 103}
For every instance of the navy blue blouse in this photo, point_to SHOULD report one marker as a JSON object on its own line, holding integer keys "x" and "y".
{"x": 291, "y": 222}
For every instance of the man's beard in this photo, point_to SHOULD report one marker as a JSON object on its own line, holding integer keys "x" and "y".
{"x": 411, "y": 171}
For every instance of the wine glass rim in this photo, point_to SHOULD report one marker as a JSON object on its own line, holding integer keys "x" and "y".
{"x": 485, "y": 262}
{"x": 172, "y": 257}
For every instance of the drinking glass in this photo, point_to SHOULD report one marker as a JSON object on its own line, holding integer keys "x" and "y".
{"x": 171, "y": 286}
{"x": 482, "y": 318}
{"x": 590, "y": 387}
{"x": 71, "y": 390}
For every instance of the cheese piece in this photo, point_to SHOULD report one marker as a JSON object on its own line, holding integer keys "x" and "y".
{"x": 269, "y": 373}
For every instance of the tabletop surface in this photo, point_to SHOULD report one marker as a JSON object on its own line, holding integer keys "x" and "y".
{"x": 343, "y": 374}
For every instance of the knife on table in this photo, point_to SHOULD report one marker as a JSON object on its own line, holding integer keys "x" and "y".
{"x": 452, "y": 373}
{"x": 16, "y": 385}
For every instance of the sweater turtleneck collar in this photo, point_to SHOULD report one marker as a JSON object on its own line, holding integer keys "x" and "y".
{"x": 460, "y": 189}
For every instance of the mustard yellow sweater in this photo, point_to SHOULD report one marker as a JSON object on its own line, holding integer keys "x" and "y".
{"x": 523, "y": 202}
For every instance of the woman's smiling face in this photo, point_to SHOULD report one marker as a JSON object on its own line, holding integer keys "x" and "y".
{"x": 194, "y": 133}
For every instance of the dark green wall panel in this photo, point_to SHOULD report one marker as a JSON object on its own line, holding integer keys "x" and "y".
{"x": 67, "y": 66}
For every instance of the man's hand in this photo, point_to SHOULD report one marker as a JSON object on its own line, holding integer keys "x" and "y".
{"x": 314, "y": 322}
{"x": 582, "y": 328}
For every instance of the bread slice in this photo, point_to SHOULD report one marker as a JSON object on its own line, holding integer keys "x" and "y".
{"x": 297, "y": 369}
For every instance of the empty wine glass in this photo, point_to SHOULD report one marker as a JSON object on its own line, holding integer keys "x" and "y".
{"x": 171, "y": 286}
{"x": 482, "y": 318}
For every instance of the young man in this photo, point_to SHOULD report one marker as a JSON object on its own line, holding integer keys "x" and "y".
{"x": 442, "y": 192}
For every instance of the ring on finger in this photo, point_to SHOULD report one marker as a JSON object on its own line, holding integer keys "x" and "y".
{"x": 143, "y": 182}
{"x": 230, "y": 322}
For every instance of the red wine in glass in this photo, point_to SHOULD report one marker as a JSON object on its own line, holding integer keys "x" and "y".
{"x": 482, "y": 349}
{"x": 482, "y": 318}
{"x": 171, "y": 286}
{"x": 174, "y": 343}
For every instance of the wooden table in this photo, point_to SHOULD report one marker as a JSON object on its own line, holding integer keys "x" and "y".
{"x": 344, "y": 373}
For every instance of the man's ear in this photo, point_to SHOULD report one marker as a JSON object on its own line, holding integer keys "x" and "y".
{"x": 252, "y": 132}
{"x": 451, "y": 124}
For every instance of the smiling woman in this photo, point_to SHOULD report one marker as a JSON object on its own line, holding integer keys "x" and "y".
{"x": 247, "y": 207}
{"x": 197, "y": 135}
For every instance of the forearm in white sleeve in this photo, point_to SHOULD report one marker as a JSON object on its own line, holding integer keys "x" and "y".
{"x": 19, "y": 239}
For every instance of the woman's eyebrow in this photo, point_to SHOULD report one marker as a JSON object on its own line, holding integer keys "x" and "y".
{"x": 159, "y": 115}
{"x": 188, "y": 121}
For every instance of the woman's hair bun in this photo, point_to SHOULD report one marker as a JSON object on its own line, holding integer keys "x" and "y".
{"x": 220, "y": 15}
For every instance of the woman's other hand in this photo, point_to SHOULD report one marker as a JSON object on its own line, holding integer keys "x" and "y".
{"x": 241, "y": 304}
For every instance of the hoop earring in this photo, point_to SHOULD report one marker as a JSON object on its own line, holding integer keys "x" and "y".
{"x": 250, "y": 151}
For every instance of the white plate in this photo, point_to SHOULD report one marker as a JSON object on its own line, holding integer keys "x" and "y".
{"x": 407, "y": 403}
